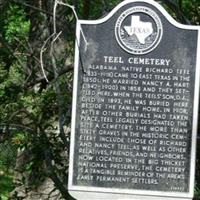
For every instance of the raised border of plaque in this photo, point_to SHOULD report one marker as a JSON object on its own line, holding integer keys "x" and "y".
{"x": 96, "y": 193}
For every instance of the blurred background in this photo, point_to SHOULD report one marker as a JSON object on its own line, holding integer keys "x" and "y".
{"x": 35, "y": 114}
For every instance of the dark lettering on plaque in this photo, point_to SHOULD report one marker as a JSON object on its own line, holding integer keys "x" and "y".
{"x": 135, "y": 103}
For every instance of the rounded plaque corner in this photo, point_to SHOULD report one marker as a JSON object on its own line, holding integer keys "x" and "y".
{"x": 153, "y": 3}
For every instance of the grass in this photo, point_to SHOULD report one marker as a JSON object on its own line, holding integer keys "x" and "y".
{"x": 6, "y": 186}
{"x": 197, "y": 193}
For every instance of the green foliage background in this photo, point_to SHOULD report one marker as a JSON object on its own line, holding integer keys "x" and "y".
{"x": 41, "y": 110}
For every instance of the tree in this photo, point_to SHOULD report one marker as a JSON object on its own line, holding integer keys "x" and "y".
{"x": 40, "y": 106}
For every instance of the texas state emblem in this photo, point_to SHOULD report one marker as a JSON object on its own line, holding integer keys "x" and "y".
{"x": 138, "y": 30}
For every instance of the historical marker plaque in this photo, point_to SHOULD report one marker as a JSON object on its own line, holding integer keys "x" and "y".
{"x": 135, "y": 106}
